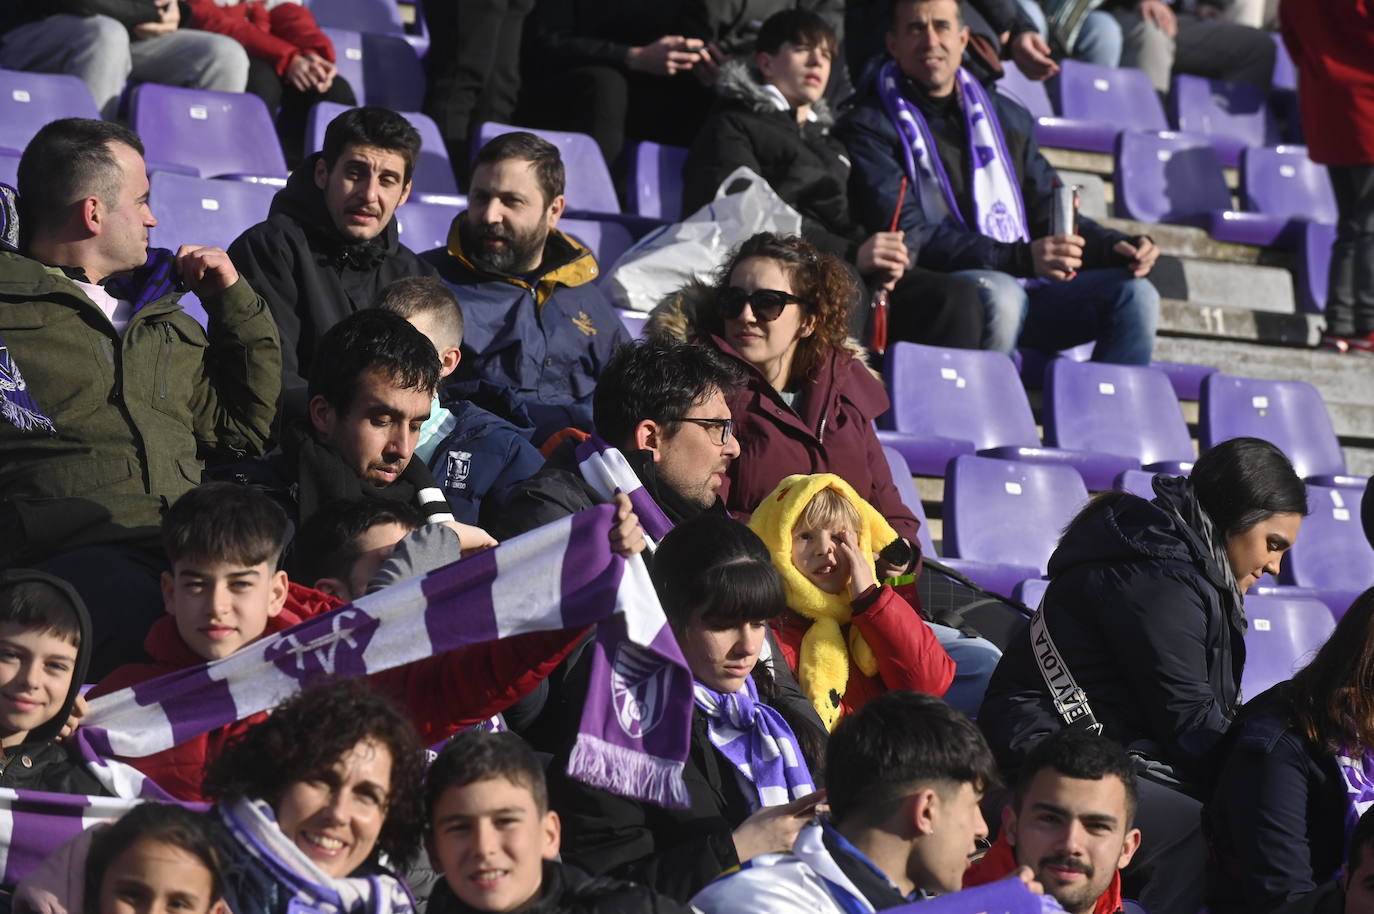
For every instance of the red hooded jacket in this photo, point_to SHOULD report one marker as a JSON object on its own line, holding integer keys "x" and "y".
{"x": 275, "y": 33}
{"x": 1000, "y": 862}
{"x": 443, "y": 694}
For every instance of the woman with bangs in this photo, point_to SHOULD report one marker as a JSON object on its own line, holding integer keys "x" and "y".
{"x": 749, "y": 771}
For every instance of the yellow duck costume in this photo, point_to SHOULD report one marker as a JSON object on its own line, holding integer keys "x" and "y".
{"x": 823, "y": 662}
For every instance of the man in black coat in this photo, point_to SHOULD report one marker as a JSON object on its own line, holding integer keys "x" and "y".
{"x": 330, "y": 242}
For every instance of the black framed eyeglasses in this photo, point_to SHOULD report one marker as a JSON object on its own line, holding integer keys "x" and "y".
{"x": 726, "y": 426}
{"x": 767, "y": 304}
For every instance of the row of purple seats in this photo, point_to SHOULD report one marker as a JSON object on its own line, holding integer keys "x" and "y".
{"x": 30, "y": 100}
{"x": 382, "y": 68}
{"x": 1186, "y": 377}
{"x": 381, "y": 17}
{"x": 207, "y": 134}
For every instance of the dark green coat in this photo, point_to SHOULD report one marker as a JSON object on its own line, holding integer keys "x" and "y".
{"x": 134, "y": 416}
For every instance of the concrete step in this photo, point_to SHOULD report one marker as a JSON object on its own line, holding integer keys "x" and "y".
{"x": 1226, "y": 322}
{"x": 1194, "y": 243}
{"x": 1340, "y": 378}
{"x": 1231, "y": 285}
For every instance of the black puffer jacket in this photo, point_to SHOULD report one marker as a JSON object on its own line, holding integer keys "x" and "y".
{"x": 568, "y": 890}
{"x": 804, "y": 163}
{"x": 1149, "y": 622}
{"x": 312, "y": 276}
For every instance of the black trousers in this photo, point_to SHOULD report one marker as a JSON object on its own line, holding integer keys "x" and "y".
{"x": 1350, "y": 290}
{"x": 1168, "y": 873}
{"x": 928, "y": 307}
{"x": 295, "y": 105}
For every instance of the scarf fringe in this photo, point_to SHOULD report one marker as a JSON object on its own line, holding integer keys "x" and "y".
{"x": 26, "y": 420}
{"x": 628, "y": 773}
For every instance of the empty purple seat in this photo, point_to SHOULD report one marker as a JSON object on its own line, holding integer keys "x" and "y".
{"x": 382, "y": 68}
{"x": 1116, "y": 99}
{"x": 1050, "y": 129}
{"x": 589, "y": 185}
{"x": 425, "y": 226}
{"x": 1129, "y": 410}
{"x": 981, "y": 498}
{"x": 1138, "y": 482}
{"x": 607, "y": 240}
{"x": 377, "y": 17}
{"x": 202, "y": 211}
{"x": 1290, "y": 414}
{"x": 1331, "y": 550}
{"x": 656, "y": 173}
{"x": 1168, "y": 177}
{"x": 1284, "y": 634}
{"x": 1231, "y": 115}
{"x": 1281, "y": 190}
{"x": 1285, "y": 74}
{"x": 1034, "y": 362}
{"x": 947, "y": 402}
{"x": 1031, "y": 591}
{"x": 30, "y": 100}
{"x": 215, "y": 134}
{"x": 1185, "y": 377}
{"x": 433, "y": 181}
{"x": 906, "y": 488}
{"x": 1314, "y": 265}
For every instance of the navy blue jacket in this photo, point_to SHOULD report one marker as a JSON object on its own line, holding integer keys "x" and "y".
{"x": 483, "y": 456}
{"x": 877, "y": 159}
{"x": 546, "y": 336}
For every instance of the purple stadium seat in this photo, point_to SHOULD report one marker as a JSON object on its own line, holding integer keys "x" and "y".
{"x": 589, "y": 185}
{"x": 1137, "y": 482}
{"x": 1290, "y": 414}
{"x": 1129, "y": 410}
{"x": 378, "y": 17}
{"x": 1034, "y": 362}
{"x": 30, "y": 100}
{"x": 1331, "y": 550}
{"x": 1185, "y": 377}
{"x": 633, "y": 321}
{"x": 1285, "y": 74}
{"x": 657, "y": 180}
{"x": 425, "y": 226}
{"x": 1031, "y": 591}
{"x": 906, "y": 488}
{"x": 1281, "y": 190}
{"x": 1314, "y": 265}
{"x": 981, "y": 495}
{"x": 947, "y": 402}
{"x": 1284, "y": 634}
{"x": 1050, "y": 129}
{"x": 1231, "y": 115}
{"x": 1168, "y": 177}
{"x": 607, "y": 240}
{"x": 202, "y": 211}
{"x": 433, "y": 181}
{"x": 382, "y": 68}
{"x": 1115, "y": 99}
{"x": 216, "y": 134}
{"x": 9, "y": 168}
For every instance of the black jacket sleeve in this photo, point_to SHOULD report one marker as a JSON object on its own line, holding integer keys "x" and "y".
{"x": 262, "y": 255}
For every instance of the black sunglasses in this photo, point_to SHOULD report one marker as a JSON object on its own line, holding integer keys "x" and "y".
{"x": 767, "y": 304}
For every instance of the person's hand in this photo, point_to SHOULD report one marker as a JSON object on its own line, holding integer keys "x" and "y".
{"x": 1142, "y": 255}
{"x": 1057, "y": 256}
{"x": 773, "y": 829}
{"x": 470, "y": 539}
{"x": 885, "y": 256}
{"x": 707, "y": 68}
{"x": 169, "y": 17}
{"x": 1161, "y": 14}
{"x": 1028, "y": 877}
{"x": 888, "y": 570}
{"x": 860, "y": 569}
{"x": 669, "y": 55}
{"x": 35, "y": 900}
{"x": 1031, "y": 52}
{"x": 208, "y": 272}
{"x": 299, "y": 74}
{"x": 627, "y": 536}
{"x": 322, "y": 72}
{"x": 79, "y": 709}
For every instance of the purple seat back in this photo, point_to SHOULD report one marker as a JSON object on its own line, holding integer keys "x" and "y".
{"x": 906, "y": 488}
{"x": 214, "y": 133}
{"x": 1031, "y": 591}
{"x": 361, "y": 15}
{"x": 966, "y": 394}
{"x": 1290, "y": 414}
{"x": 30, "y": 100}
{"x": 9, "y": 168}
{"x": 1129, "y": 410}
{"x": 1283, "y": 181}
{"x": 589, "y": 185}
{"x": 425, "y": 226}
{"x": 1231, "y": 115}
{"x": 607, "y": 240}
{"x": 633, "y": 321}
{"x": 1028, "y": 93}
{"x": 1284, "y": 634}
{"x": 983, "y": 495}
{"x": 1285, "y": 74}
{"x": 1331, "y": 550}
{"x": 658, "y": 180}
{"x": 433, "y": 172}
{"x": 1314, "y": 265}
{"x": 202, "y": 211}
{"x": 382, "y": 68}
{"x": 1138, "y": 482}
{"x": 1167, "y": 177}
{"x": 1122, "y": 97}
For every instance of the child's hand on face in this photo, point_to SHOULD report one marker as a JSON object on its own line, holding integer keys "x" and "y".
{"x": 860, "y": 570}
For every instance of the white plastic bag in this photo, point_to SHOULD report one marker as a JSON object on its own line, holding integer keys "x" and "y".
{"x": 670, "y": 257}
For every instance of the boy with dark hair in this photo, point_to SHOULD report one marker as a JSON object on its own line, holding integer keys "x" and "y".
{"x": 472, "y": 453}
{"x": 495, "y": 840}
{"x": 330, "y": 242}
{"x": 45, "y": 647}
{"x": 344, "y": 545}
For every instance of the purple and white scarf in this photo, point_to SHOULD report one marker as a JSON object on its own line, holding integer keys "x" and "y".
{"x": 998, "y": 208}
{"x": 1358, "y": 773}
{"x": 636, "y": 723}
{"x": 755, "y": 739}
{"x": 607, "y": 471}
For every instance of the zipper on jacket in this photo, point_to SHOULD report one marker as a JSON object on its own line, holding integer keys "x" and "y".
{"x": 820, "y": 431}
{"x": 166, "y": 356}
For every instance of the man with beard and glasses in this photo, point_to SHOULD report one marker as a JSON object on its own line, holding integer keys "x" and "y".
{"x": 330, "y": 244}
{"x": 1071, "y": 821}
{"x": 534, "y": 320}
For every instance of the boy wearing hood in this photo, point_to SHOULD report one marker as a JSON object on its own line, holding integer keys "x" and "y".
{"x": 45, "y": 638}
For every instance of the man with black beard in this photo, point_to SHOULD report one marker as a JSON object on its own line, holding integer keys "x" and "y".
{"x": 534, "y": 321}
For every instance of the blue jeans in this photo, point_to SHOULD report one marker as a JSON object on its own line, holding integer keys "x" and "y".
{"x": 1107, "y": 306}
{"x": 1099, "y": 40}
{"x": 974, "y": 660}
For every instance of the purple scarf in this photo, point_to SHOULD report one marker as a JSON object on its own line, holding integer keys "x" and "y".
{"x": 1358, "y": 773}
{"x": 756, "y": 740}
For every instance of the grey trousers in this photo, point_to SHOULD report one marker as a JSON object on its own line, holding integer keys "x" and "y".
{"x": 101, "y": 52}
{"x": 1210, "y": 48}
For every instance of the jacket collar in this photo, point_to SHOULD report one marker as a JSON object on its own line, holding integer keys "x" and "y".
{"x": 565, "y": 263}
{"x": 164, "y": 644}
{"x": 742, "y": 83}
{"x": 303, "y": 202}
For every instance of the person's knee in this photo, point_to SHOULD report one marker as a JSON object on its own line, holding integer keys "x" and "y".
{"x": 1004, "y": 308}
{"x": 1138, "y": 302}
{"x": 225, "y": 63}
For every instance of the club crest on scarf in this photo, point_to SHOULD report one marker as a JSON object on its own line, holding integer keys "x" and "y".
{"x": 331, "y": 645}
{"x": 16, "y": 404}
{"x": 639, "y": 686}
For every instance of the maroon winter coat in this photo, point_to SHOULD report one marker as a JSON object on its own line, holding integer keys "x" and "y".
{"x": 833, "y": 434}
{"x": 1332, "y": 45}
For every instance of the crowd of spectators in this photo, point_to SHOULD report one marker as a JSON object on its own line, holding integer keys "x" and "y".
{"x": 357, "y": 419}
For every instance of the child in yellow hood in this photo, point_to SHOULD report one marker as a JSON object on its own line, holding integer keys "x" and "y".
{"x": 846, "y": 636}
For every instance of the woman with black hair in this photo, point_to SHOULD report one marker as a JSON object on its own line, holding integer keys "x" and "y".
{"x": 749, "y": 769}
